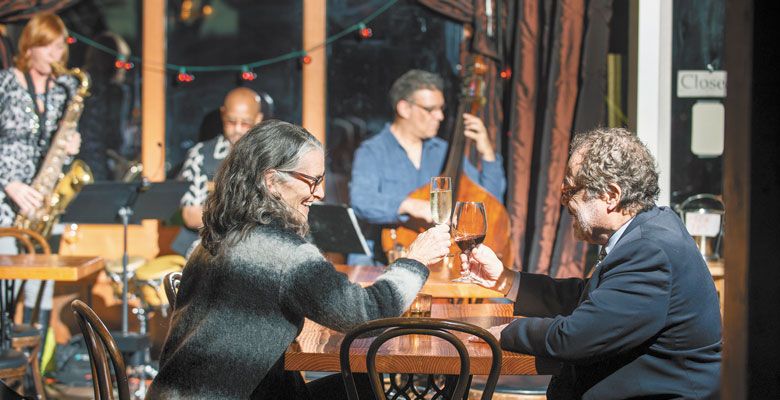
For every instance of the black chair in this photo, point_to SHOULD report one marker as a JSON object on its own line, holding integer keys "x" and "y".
{"x": 394, "y": 327}
{"x": 27, "y": 337}
{"x": 99, "y": 342}
{"x": 171, "y": 283}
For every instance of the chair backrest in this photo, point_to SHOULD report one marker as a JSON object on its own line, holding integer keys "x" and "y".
{"x": 394, "y": 327}
{"x": 32, "y": 242}
{"x": 99, "y": 342}
{"x": 171, "y": 282}
{"x": 28, "y": 238}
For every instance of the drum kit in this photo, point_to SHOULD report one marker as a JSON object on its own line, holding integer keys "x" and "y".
{"x": 145, "y": 285}
{"x": 145, "y": 279}
{"x": 131, "y": 203}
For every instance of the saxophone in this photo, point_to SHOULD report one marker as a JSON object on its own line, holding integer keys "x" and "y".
{"x": 59, "y": 189}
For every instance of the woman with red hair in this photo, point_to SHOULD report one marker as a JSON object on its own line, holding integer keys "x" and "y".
{"x": 32, "y": 101}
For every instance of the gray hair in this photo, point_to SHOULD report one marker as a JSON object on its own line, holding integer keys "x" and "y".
{"x": 241, "y": 199}
{"x": 617, "y": 156}
{"x": 412, "y": 81}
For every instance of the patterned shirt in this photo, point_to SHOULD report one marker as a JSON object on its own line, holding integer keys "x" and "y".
{"x": 202, "y": 162}
{"x": 21, "y": 148}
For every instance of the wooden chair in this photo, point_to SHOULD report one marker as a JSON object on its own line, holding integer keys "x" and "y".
{"x": 171, "y": 282}
{"x": 394, "y": 327}
{"x": 13, "y": 365}
{"x": 26, "y": 337}
{"x": 99, "y": 341}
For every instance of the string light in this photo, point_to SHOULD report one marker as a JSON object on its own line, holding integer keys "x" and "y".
{"x": 182, "y": 74}
{"x": 184, "y": 77}
{"x": 122, "y": 63}
{"x": 247, "y": 75}
{"x": 364, "y": 32}
{"x": 506, "y": 73}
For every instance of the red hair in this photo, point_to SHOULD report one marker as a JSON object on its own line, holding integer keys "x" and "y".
{"x": 42, "y": 30}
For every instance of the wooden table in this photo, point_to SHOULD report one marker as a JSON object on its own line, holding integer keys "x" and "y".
{"x": 48, "y": 267}
{"x": 43, "y": 267}
{"x": 439, "y": 282}
{"x": 317, "y": 348}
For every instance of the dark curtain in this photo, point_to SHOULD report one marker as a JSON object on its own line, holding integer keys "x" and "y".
{"x": 21, "y": 10}
{"x": 557, "y": 52}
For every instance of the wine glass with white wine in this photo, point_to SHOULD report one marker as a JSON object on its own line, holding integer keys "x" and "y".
{"x": 441, "y": 203}
{"x": 441, "y": 199}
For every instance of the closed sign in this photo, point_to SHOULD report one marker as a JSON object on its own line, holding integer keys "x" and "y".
{"x": 692, "y": 83}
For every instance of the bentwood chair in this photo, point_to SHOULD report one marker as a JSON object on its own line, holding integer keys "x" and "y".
{"x": 441, "y": 328}
{"x": 171, "y": 282}
{"x": 101, "y": 347}
{"x": 27, "y": 337}
{"x": 13, "y": 365}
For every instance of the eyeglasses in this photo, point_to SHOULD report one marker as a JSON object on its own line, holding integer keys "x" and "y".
{"x": 430, "y": 109}
{"x": 312, "y": 181}
{"x": 568, "y": 192}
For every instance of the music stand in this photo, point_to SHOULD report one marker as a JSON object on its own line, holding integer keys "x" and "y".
{"x": 334, "y": 228}
{"x": 125, "y": 203}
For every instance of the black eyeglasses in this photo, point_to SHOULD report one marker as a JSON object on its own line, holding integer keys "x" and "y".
{"x": 430, "y": 109}
{"x": 312, "y": 181}
{"x": 568, "y": 192}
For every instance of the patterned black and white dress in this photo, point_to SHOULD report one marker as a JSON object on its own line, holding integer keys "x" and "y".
{"x": 21, "y": 148}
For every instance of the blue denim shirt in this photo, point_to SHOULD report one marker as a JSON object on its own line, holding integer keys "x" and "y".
{"x": 383, "y": 176}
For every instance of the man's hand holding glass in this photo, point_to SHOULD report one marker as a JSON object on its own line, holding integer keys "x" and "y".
{"x": 483, "y": 262}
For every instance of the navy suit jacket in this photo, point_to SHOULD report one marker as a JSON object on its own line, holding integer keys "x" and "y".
{"x": 647, "y": 323}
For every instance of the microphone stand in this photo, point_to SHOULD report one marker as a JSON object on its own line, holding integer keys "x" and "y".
{"x": 125, "y": 213}
{"x": 136, "y": 345}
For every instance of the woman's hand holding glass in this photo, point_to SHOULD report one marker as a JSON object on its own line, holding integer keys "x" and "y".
{"x": 483, "y": 263}
{"x": 431, "y": 246}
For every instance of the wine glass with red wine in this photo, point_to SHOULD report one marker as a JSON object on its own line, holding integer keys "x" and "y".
{"x": 469, "y": 226}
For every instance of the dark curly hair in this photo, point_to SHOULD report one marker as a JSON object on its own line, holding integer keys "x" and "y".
{"x": 617, "y": 156}
{"x": 241, "y": 200}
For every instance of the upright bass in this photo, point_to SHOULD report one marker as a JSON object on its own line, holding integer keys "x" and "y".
{"x": 472, "y": 98}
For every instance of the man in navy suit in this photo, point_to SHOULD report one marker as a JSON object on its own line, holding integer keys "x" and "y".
{"x": 647, "y": 322}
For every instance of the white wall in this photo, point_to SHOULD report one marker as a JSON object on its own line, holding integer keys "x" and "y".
{"x": 654, "y": 85}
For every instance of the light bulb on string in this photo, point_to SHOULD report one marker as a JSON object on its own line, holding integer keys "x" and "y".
{"x": 364, "y": 32}
{"x": 184, "y": 77}
{"x": 70, "y": 40}
{"x": 122, "y": 63}
{"x": 247, "y": 74}
{"x": 506, "y": 73}
{"x": 306, "y": 59}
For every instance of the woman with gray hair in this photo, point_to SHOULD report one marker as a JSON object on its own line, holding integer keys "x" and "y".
{"x": 247, "y": 288}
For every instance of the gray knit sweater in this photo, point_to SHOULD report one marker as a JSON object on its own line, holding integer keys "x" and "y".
{"x": 236, "y": 313}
